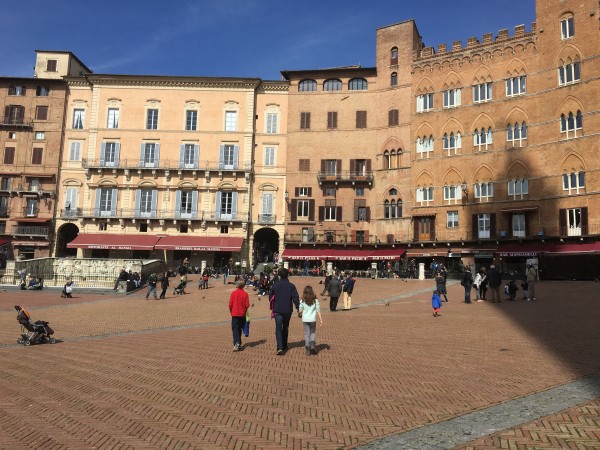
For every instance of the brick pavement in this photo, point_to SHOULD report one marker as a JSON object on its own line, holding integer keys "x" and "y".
{"x": 174, "y": 382}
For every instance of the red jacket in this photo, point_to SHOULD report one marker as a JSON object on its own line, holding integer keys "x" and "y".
{"x": 239, "y": 302}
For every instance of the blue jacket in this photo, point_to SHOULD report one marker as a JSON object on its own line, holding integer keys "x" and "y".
{"x": 349, "y": 285}
{"x": 286, "y": 297}
{"x": 436, "y": 302}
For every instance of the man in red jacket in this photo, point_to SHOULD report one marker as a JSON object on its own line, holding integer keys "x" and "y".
{"x": 239, "y": 302}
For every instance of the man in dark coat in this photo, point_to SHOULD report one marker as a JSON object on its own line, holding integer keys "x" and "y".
{"x": 335, "y": 289}
{"x": 467, "y": 283}
{"x": 286, "y": 298}
{"x": 494, "y": 281}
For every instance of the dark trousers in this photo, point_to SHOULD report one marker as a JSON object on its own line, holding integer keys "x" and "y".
{"x": 467, "y": 293}
{"x": 282, "y": 325}
{"x": 333, "y": 303}
{"x": 164, "y": 291}
{"x": 237, "y": 325}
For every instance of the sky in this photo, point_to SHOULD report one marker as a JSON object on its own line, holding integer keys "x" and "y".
{"x": 234, "y": 38}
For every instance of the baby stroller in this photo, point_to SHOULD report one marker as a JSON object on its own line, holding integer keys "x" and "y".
{"x": 38, "y": 332}
{"x": 179, "y": 289}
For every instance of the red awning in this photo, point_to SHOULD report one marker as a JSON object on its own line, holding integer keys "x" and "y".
{"x": 387, "y": 253}
{"x": 350, "y": 255}
{"x": 425, "y": 253}
{"x": 114, "y": 241}
{"x": 565, "y": 249}
{"x": 534, "y": 250}
{"x": 3, "y": 242}
{"x": 307, "y": 253}
{"x": 200, "y": 243}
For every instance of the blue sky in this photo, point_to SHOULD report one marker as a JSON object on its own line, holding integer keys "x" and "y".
{"x": 237, "y": 38}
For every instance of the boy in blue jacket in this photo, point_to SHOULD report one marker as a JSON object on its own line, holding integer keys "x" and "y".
{"x": 436, "y": 303}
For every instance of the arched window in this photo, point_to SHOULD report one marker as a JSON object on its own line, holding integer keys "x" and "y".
{"x": 453, "y": 194}
{"x": 425, "y": 146}
{"x": 482, "y": 138}
{"x": 394, "y": 56}
{"x": 392, "y": 205}
{"x": 569, "y": 73}
{"x": 307, "y": 86}
{"x": 452, "y": 142}
{"x": 567, "y": 27}
{"x": 332, "y": 85}
{"x": 394, "y": 79}
{"x": 571, "y": 123}
{"x": 516, "y": 134}
{"x": 574, "y": 182}
{"x": 357, "y": 84}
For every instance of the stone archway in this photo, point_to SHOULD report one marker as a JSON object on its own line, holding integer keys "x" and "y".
{"x": 66, "y": 234}
{"x": 266, "y": 243}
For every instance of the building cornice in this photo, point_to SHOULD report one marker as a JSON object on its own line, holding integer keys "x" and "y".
{"x": 173, "y": 81}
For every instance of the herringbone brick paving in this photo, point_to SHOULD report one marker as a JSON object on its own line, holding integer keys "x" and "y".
{"x": 380, "y": 370}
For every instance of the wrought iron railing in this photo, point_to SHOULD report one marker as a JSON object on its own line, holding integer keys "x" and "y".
{"x": 31, "y": 231}
{"x": 164, "y": 164}
{"x": 332, "y": 238}
{"x": 346, "y": 175}
{"x": 266, "y": 218}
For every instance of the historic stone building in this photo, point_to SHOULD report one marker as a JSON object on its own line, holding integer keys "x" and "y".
{"x": 160, "y": 166}
{"x": 30, "y": 142}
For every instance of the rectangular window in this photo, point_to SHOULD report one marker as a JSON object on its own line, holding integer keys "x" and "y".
{"x": 9, "y": 155}
{"x": 425, "y": 103}
{"x": 330, "y": 167}
{"x": 230, "y": 120}
{"x": 518, "y": 225}
{"x": 569, "y": 73}
{"x": 146, "y": 202}
{"x": 40, "y": 135}
{"x": 329, "y": 192}
{"x": 361, "y": 119}
{"x": 185, "y": 204}
{"x": 191, "y": 120}
{"x": 113, "y": 118}
{"x": 150, "y": 154}
{"x": 42, "y": 91}
{"x": 330, "y": 210}
{"x": 359, "y": 192}
{"x": 41, "y": 113}
{"x": 424, "y": 195}
{"x": 360, "y": 210}
{"x": 483, "y": 226}
{"x": 5, "y": 184}
{"x": 31, "y": 209}
{"x": 308, "y": 234}
{"x": 303, "y": 209}
{"x": 75, "y": 151}
{"x": 36, "y": 155}
{"x": 51, "y": 65}
{"x": 517, "y": 189}
{"x": 567, "y": 28}
{"x": 227, "y": 205}
{"x": 482, "y": 92}
{"x": 393, "y": 118}
{"x": 574, "y": 222}
{"x": 152, "y": 119}
{"x": 228, "y": 161}
{"x": 71, "y": 202}
{"x": 452, "y": 219}
{"x": 189, "y": 156}
{"x": 305, "y": 121}
{"x": 332, "y": 119}
{"x": 516, "y": 86}
{"x": 78, "y": 118}
{"x": 105, "y": 203}
{"x": 110, "y": 154}
{"x": 304, "y": 165}
{"x": 272, "y": 123}
{"x": 269, "y": 156}
{"x": 574, "y": 182}
{"x": 452, "y": 98}
{"x": 303, "y": 192}
{"x": 17, "y": 90}
{"x": 34, "y": 184}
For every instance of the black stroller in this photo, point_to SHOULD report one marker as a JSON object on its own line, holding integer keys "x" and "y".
{"x": 180, "y": 288}
{"x": 38, "y": 332}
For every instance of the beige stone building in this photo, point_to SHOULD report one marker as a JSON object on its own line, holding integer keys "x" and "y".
{"x": 158, "y": 166}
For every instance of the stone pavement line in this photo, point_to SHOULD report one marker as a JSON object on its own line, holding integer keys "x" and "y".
{"x": 487, "y": 421}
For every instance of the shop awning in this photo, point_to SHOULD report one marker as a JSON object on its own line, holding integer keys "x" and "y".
{"x": 307, "y": 253}
{"x": 569, "y": 249}
{"x": 4, "y": 242}
{"x": 342, "y": 254}
{"x": 114, "y": 241}
{"x": 426, "y": 252}
{"x": 200, "y": 243}
{"x": 30, "y": 243}
{"x": 531, "y": 250}
{"x": 387, "y": 254}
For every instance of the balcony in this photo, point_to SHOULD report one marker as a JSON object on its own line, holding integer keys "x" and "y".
{"x": 160, "y": 214}
{"x": 329, "y": 238}
{"x": 165, "y": 164}
{"x": 265, "y": 219}
{"x": 31, "y": 231}
{"x": 346, "y": 176}
{"x": 15, "y": 122}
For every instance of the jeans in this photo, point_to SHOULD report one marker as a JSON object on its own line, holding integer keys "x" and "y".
{"x": 282, "y": 325}
{"x": 467, "y": 293}
{"x": 151, "y": 290}
{"x": 225, "y": 278}
{"x": 237, "y": 325}
{"x": 310, "y": 333}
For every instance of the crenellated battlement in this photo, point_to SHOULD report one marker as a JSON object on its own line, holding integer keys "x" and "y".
{"x": 473, "y": 43}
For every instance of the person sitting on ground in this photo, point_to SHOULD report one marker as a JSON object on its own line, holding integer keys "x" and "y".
{"x": 67, "y": 290}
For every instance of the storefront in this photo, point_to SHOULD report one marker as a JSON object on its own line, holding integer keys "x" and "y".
{"x": 512, "y": 259}
{"x": 216, "y": 251}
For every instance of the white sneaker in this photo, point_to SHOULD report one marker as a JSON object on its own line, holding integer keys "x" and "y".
{"x": 236, "y": 347}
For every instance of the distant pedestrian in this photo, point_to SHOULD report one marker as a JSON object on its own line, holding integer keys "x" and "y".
{"x": 67, "y": 290}
{"x": 494, "y": 278}
{"x": 285, "y": 299}
{"x": 531, "y": 280}
{"x": 310, "y": 309}
{"x": 436, "y": 303}
{"x": 440, "y": 283}
{"x": 239, "y": 302}
{"x": 467, "y": 283}
{"x": 479, "y": 279}
{"x": 152, "y": 280}
{"x": 335, "y": 289}
{"x": 348, "y": 289}
{"x": 164, "y": 284}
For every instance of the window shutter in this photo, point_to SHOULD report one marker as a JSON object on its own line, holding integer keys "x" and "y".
{"x": 113, "y": 202}
{"x": 368, "y": 166}
{"x": 296, "y": 192}
{"x": 236, "y": 155}
{"x": 42, "y": 113}
{"x": 138, "y": 199}
{"x": 156, "y": 154}
{"x": 432, "y": 228}
{"x": 338, "y": 167}
{"x": 338, "y": 214}
{"x": 294, "y": 211}
{"x": 366, "y": 235}
{"x": 181, "y": 155}
{"x": 177, "y": 204}
{"x": 323, "y": 165}
{"x": 196, "y": 155}
{"x": 584, "y": 221}
{"x": 221, "y": 156}
{"x": 368, "y": 214}
{"x": 353, "y": 236}
{"x": 562, "y": 221}
{"x": 493, "y": 225}
{"x": 419, "y": 194}
{"x": 526, "y": 224}
{"x": 352, "y": 166}
{"x": 97, "y": 202}
{"x": 218, "y": 200}
{"x": 194, "y": 204}
{"x": 310, "y": 192}
{"x": 329, "y": 120}
{"x": 416, "y": 229}
{"x": 355, "y": 211}
{"x": 117, "y": 153}
{"x": 234, "y": 205}
{"x": 475, "y": 226}
{"x": 321, "y": 213}
{"x": 311, "y": 210}
{"x": 7, "y": 114}
{"x": 102, "y": 153}
{"x": 142, "y": 154}
{"x": 308, "y": 120}
{"x": 154, "y": 202}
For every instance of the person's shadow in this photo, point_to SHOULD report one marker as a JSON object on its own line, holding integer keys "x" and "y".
{"x": 253, "y": 344}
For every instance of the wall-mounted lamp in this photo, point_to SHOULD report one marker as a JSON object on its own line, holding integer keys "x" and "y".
{"x": 286, "y": 195}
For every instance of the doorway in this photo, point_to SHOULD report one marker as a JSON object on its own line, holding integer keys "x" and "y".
{"x": 66, "y": 234}
{"x": 266, "y": 245}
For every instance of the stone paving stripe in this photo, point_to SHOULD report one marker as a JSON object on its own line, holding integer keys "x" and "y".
{"x": 487, "y": 421}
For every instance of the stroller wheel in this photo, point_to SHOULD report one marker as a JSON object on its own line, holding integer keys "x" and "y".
{"x": 52, "y": 341}
{"x": 19, "y": 341}
{"x": 26, "y": 342}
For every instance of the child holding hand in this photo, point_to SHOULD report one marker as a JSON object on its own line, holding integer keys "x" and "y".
{"x": 309, "y": 310}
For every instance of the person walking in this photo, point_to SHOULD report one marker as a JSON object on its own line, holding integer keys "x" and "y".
{"x": 285, "y": 299}
{"x": 152, "y": 286}
{"x": 440, "y": 284}
{"x": 494, "y": 278}
{"x": 348, "y": 289}
{"x": 164, "y": 284}
{"x": 239, "y": 302}
{"x": 436, "y": 303}
{"x": 335, "y": 289}
{"x": 467, "y": 283}
{"x": 310, "y": 309}
{"x": 531, "y": 280}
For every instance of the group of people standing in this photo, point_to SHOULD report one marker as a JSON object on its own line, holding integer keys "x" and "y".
{"x": 336, "y": 285}
{"x": 492, "y": 279}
